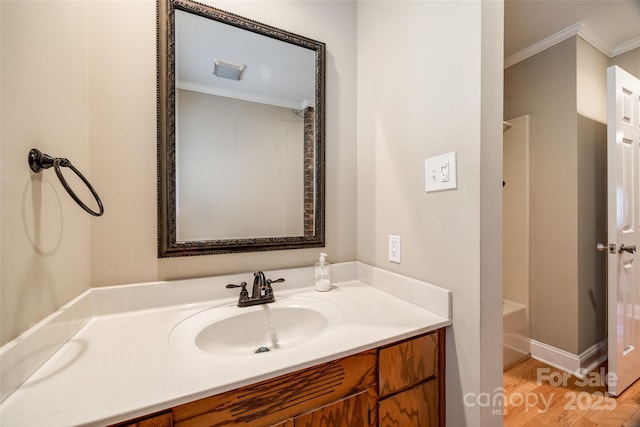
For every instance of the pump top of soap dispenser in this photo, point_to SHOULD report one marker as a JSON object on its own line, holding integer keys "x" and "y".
{"x": 323, "y": 281}
{"x": 323, "y": 259}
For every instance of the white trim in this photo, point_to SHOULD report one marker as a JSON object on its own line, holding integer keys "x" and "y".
{"x": 581, "y": 29}
{"x": 517, "y": 342}
{"x": 578, "y": 365}
{"x": 546, "y": 43}
{"x": 227, "y": 93}
{"x": 626, "y": 46}
{"x": 592, "y": 357}
{"x": 596, "y": 40}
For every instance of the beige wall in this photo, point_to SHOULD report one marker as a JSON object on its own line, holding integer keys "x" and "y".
{"x": 420, "y": 97}
{"x": 79, "y": 80}
{"x": 592, "y": 193}
{"x": 630, "y": 61}
{"x": 45, "y": 236}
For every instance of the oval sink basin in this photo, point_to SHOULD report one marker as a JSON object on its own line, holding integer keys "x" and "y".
{"x": 236, "y": 331}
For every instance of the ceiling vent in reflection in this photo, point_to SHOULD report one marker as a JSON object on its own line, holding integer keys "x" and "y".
{"x": 228, "y": 70}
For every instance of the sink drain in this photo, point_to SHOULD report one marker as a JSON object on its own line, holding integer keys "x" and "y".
{"x": 262, "y": 350}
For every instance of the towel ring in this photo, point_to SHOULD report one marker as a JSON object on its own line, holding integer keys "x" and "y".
{"x": 38, "y": 161}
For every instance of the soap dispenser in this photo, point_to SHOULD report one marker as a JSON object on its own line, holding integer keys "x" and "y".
{"x": 323, "y": 281}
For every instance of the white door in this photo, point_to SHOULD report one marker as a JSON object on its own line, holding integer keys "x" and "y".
{"x": 623, "y": 176}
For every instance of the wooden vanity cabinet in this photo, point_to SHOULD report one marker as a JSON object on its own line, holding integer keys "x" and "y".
{"x": 411, "y": 382}
{"x": 163, "y": 419}
{"x": 356, "y": 410}
{"x": 396, "y": 385}
{"x": 337, "y": 390}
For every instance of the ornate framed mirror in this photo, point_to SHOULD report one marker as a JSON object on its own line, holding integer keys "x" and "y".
{"x": 240, "y": 134}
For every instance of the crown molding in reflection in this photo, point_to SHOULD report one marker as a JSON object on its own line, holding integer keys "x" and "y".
{"x": 211, "y": 90}
{"x": 581, "y": 29}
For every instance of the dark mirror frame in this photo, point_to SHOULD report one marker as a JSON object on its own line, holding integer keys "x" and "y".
{"x": 168, "y": 246}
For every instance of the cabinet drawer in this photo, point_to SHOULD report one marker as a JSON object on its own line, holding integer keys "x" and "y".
{"x": 406, "y": 364}
{"x": 351, "y": 411}
{"x": 164, "y": 419}
{"x": 415, "y": 407}
{"x": 273, "y": 401}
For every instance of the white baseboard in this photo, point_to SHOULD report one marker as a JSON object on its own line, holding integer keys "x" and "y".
{"x": 517, "y": 342}
{"x": 577, "y": 364}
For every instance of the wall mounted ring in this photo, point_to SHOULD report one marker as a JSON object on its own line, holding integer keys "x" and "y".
{"x": 38, "y": 161}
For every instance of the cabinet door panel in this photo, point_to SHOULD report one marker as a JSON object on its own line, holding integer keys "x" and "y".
{"x": 416, "y": 407}
{"x": 352, "y": 411}
{"x": 406, "y": 364}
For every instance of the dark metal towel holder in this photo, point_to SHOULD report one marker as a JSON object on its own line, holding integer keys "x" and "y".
{"x": 38, "y": 161}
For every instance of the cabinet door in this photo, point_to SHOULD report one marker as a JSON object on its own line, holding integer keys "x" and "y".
{"x": 406, "y": 364}
{"x": 351, "y": 411}
{"x": 416, "y": 407}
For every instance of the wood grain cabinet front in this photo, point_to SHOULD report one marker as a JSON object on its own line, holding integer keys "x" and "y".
{"x": 417, "y": 406}
{"x": 273, "y": 401}
{"x": 164, "y": 419}
{"x": 396, "y": 385}
{"x": 411, "y": 382}
{"x": 351, "y": 411}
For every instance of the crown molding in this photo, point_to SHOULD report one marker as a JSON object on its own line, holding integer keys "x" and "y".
{"x": 546, "y": 43}
{"x": 211, "y": 90}
{"x": 626, "y": 46}
{"x": 581, "y": 29}
{"x": 594, "y": 38}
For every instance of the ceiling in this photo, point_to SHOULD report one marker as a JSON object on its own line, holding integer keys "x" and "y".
{"x": 530, "y": 26}
{"x": 277, "y": 73}
{"x": 612, "y": 25}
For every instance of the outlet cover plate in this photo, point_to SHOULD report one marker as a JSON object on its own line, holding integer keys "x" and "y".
{"x": 394, "y": 248}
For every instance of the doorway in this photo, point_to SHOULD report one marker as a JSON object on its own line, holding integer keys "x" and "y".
{"x": 516, "y": 240}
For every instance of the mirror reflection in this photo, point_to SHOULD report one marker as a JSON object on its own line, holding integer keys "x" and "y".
{"x": 240, "y": 134}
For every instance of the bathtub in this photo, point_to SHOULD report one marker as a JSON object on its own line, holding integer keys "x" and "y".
{"x": 514, "y": 316}
{"x": 515, "y": 333}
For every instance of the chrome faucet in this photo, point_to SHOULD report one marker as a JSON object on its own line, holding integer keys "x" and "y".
{"x": 262, "y": 292}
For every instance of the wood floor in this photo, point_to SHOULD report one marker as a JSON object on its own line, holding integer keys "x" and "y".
{"x": 538, "y": 395}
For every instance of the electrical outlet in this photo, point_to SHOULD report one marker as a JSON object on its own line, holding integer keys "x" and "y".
{"x": 394, "y": 248}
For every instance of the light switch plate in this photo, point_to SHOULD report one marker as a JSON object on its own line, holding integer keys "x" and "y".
{"x": 440, "y": 173}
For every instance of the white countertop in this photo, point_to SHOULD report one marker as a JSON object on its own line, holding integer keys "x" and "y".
{"x": 120, "y": 366}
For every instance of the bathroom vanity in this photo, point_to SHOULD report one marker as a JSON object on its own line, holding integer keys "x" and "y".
{"x": 368, "y": 352}
{"x": 398, "y": 384}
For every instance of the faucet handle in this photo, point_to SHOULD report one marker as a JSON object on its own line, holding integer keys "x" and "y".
{"x": 269, "y": 289}
{"x": 242, "y": 285}
{"x": 244, "y": 294}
